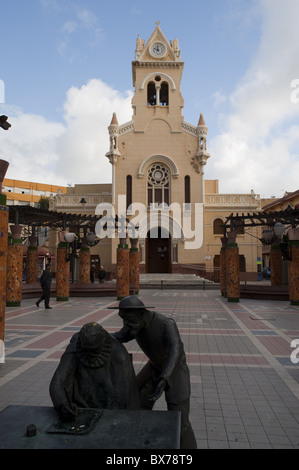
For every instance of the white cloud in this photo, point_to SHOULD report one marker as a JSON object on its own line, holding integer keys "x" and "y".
{"x": 30, "y": 147}
{"x": 257, "y": 147}
{"x": 53, "y": 153}
{"x": 88, "y": 113}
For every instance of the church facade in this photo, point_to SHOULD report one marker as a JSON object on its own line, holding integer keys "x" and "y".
{"x": 158, "y": 185}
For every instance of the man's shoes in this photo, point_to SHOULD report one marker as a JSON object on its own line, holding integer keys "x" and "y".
{"x": 47, "y": 308}
{"x": 37, "y": 304}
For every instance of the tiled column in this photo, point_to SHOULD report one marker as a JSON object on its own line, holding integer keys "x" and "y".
{"x": 3, "y": 262}
{"x": 276, "y": 266}
{"x": 84, "y": 265}
{"x": 232, "y": 272}
{"x": 62, "y": 273}
{"x": 14, "y": 268}
{"x": 32, "y": 261}
{"x": 223, "y": 267}
{"x": 123, "y": 270}
{"x": 222, "y": 272}
{"x": 134, "y": 265}
{"x": 293, "y": 271}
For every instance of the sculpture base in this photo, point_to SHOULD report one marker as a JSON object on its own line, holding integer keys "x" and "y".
{"x": 115, "y": 429}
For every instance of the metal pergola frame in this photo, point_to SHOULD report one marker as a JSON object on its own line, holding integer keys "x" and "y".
{"x": 289, "y": 216}
{"x": 34, "y": 217}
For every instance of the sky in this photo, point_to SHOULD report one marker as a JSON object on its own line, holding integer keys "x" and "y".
{"x": 65, "y": 67}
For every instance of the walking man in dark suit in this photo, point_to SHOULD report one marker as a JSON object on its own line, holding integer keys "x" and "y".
{"x": 45, "y": 280}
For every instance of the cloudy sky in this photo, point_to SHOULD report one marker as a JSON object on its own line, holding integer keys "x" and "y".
{"x": 65, "y": 67}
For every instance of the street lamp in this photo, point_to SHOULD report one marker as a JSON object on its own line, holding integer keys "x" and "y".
{"x": 267, "y": 236}
{"x": 279, "y": 228}
{"x": 3, "y": 123}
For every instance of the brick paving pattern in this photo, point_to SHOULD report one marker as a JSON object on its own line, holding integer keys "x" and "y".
{"x": 245, "y": 388}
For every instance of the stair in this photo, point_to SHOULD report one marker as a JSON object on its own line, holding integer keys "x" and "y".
{"x": 175, "y": 281}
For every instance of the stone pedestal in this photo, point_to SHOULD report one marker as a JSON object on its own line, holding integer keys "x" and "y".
{"x": 276, "y": 266}
{"x": 232, "y": 272}
{"x": 293, "y": 272}
{"x": 115, "y": 429}
{"x": 134, "y": 266}
{"x": 3, "y": 261}
{"x": 123, "y": 271}
{"x": 84, "y": 266}
{"x": 14, "y": 269}
{"x": 32, "y": 261}
{"x": 62, "y": 273}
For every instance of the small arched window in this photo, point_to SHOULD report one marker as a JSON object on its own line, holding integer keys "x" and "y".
{"x": 187, "y": 190}
{"x": 129, "y": 190}
{"x": 151, "y": 94}
{"x": 218, "y": 227}
{"x": 164, "y": 94}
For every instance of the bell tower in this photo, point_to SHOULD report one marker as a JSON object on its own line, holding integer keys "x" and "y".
{"x": 157, "y": 73}
{"x": 158, "y": 159}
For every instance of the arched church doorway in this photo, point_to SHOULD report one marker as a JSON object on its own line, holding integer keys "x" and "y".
{"x": 158, "y": 251}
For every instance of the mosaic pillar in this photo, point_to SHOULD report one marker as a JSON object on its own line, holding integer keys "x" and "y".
{"x": 123, "y": 270}
{"x": 232, "y": 272}
{"x": 14, "y": 268}
{"x": 293, "y": 272}
{"x": 84, "y": 266}
{"x": 276, "y": 266}
{"x": 134, "y": 265}
{"x": 222, "y": 272}
{"x": 3, "y": 265}
{"x": 62, "y": 273}
{"x": 32, "y": 261}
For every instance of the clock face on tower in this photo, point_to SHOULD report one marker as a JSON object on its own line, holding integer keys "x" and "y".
{"x": 158, "y": 50}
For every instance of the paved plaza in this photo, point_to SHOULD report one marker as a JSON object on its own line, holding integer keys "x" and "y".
{"x": 245, "y": 385}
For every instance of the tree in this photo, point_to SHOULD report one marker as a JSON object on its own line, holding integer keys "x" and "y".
{"x": 43, "y": 203}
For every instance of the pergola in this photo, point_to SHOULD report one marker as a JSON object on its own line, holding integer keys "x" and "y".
{"x": 34, "y": 217}
{"x": 275, "y": 224}
{"x": 289, "y": 216}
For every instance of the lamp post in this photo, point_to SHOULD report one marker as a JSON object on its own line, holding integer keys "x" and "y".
{"x": 4, "y": 123}
{"x": 3, "y": 255}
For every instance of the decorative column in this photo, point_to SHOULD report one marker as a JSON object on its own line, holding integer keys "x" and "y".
{"x": 134, "y": 265}
{"x": 232, "y": 269}
{"x": 84, "y": 265}
{"x": 293, "y": 266}
{"x": 223, "y": 267}
{"x": 123, "y": 270}
{"x": 14, "y": 268}
{"x": 276, "y": 265}
{"x": 32, "y": 261}
{"x": 3, "y": 263}
{"x": 62, "y": 273}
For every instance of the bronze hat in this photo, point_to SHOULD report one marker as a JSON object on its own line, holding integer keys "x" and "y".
{"x": 130, "y": 302}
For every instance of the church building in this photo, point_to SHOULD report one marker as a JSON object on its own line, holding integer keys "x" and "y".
{"x": 157, "y": 163}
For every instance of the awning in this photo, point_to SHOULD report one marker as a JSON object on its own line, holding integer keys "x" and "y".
{"x": 42, "y": 253}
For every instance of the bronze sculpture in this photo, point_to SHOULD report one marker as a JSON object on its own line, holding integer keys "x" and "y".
{"x": 167, "y": 370}
{"x": 95, "y": 371}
